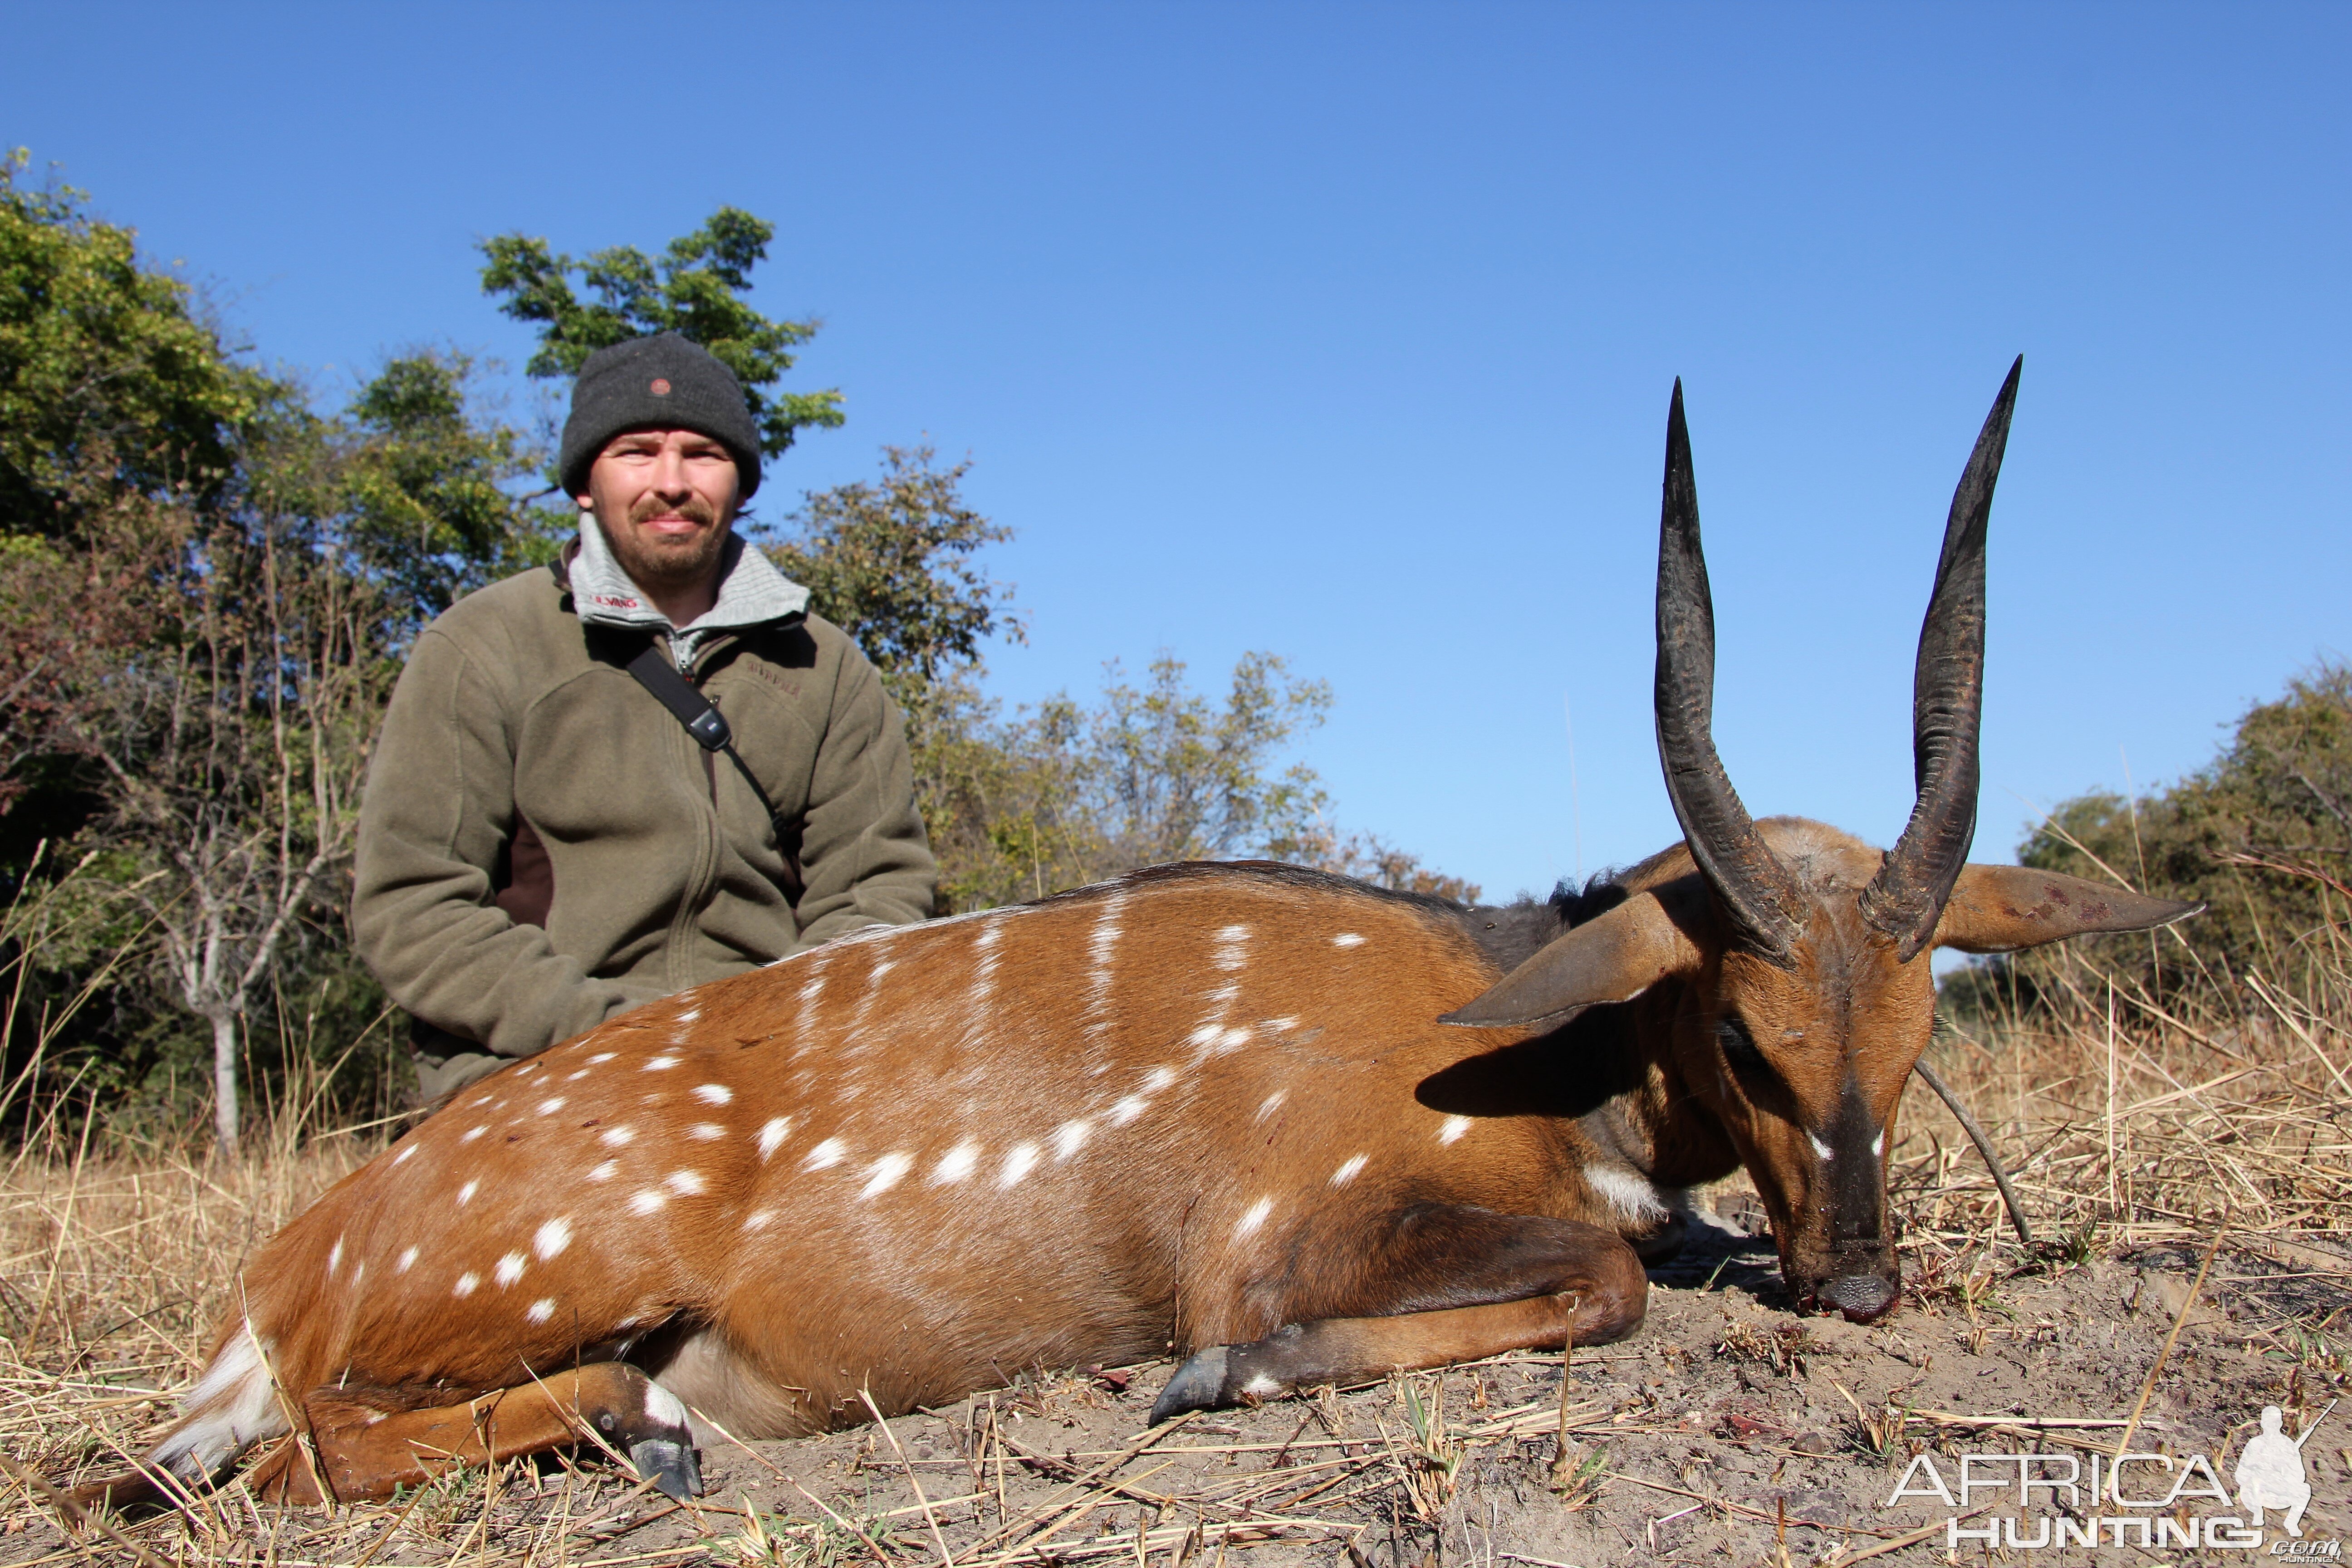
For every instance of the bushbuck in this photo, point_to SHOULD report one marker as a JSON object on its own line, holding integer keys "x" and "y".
{"x": 1295, "y": 1129}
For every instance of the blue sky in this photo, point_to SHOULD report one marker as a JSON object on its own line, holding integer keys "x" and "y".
{"x": 1346, "y": 332}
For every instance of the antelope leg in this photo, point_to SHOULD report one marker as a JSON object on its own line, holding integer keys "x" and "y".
{"x": 366, "y": 1450}
{"x": 1540, "y": 1280}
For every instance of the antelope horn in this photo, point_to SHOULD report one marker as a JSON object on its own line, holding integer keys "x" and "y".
{"x": 1905, "y": 898}
{"x": 1754, "y": 888}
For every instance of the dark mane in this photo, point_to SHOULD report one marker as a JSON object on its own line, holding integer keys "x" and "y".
{"x": 1508, "y": 933}
{"x": 1302, "y": 878}
{"x": 1512, "y": 933}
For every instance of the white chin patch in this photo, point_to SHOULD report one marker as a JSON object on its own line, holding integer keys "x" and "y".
{"x": 1823, "y": 1150}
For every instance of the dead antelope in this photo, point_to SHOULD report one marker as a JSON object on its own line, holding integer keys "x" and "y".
{"x": 1212, "y": 1109}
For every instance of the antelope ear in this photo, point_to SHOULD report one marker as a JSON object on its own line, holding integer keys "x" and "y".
{"x": 1614, "y": 958}
{"x": 1999, "y": 908}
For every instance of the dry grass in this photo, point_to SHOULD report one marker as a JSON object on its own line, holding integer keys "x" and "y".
{"x": 2128, "y": 1124}
{"x": 2126, "y": 1132}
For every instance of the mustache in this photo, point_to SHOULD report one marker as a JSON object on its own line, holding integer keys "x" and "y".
{"x": 694, "y": 509}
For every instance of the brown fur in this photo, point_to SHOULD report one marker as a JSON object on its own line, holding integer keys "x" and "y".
{"x": 930, "y": 1289}
{"x": 863, "y": 1169}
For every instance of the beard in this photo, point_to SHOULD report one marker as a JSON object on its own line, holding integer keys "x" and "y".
{"x": 662, "y": 564}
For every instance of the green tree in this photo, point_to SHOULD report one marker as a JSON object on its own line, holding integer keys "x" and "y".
{"x": 1071, "y": 793}
{"x": 107, "y": 371}
{"x": 2263, "y": 835}
{"x": 696, "y": 288}
{"x": 891, "y": 562}
{"x": 433, "y": 504}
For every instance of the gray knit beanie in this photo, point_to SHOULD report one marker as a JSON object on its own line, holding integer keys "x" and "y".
{"x": 663, "y": 382}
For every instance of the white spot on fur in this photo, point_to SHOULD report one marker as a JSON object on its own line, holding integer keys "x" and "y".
{"x": 772, "y": 1135}
{"x": 1232, "y": 947}
{"x": 549, "y": 1107}
{"x": 551, "y": 1238}
{"x": 1270, "y": 1104}
{"x": 510, "y": 1268}
{"x": 576, "y": 1077}
{"x": 1157, "y": 1080}
{"x": 1279, "y": 1026}
{"x": 1069, "y": 1138}
{"x": 659, "y": 1064}
{"x": 646, "y": 1200}
{"x": 956, "y": 1163}
{"x": 758, "y": 1219}
{"x": 825, "y": 1155}
{"x": 713, "y": 1093}
{"x": 1878, "y": 1144}
{"x": 1261, "y": 1386}
{"x": 690, "y": 1015}
{"x": 1102, "y": 944}
{"x": 1127, "y": 1108}
{"x": 1453, "y": 1129}
{"x": 601, "y": 1058}
{"x": 1349, "y": 1170}
{"x": 542, "y": 1310}
{"x": 706, "y": 1131}
{"x": 467, "y": 1285}
{"x": 402, "y": 1158}
{"x": 604, "y": 1172}
{"x": 685, "y": 1184}
{"x": 334, "y": 1257}
{"x": 1823, "y": 1150}
{"x": 465, "y": 1193}
{"x": 1019, "y": 1161}
{"x": 407, "y": 1261}
{"x": 1633, "y": 1198}
{"x": 1347, "y": 939}
{"x": 884, "y": 1173}
{"x": 1253, "y": 1218}
{"x": 471, "y": 1134}
{"x": 616, "y": 1137}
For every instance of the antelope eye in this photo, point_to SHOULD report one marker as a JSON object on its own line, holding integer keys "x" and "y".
{"x": 1740, "y": 1048}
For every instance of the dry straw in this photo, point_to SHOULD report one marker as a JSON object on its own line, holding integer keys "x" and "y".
{"x": 2128, "y": 1120}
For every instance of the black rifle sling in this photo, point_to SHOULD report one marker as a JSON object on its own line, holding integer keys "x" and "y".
{"x": 656, "y": 674}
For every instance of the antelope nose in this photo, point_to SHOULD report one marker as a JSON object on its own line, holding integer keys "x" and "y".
{"x": 1863, "y": 1298}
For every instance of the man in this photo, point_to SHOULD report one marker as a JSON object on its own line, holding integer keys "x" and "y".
{"x": 542, "y": 844}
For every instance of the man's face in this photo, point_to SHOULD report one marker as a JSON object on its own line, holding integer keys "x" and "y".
{"x": 666, "y": 499}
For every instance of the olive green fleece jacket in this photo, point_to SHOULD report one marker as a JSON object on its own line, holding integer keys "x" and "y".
{"x": 666, "y": 870}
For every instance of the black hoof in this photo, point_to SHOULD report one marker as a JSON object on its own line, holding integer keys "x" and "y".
{"x": 1199, "y": 1384}
{"x": 674, "y": 1467}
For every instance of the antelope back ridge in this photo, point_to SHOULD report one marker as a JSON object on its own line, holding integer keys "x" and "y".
{"x": 1293, "y": 1129}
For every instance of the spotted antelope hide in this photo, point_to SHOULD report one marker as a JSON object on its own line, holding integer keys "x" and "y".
{"x": 1289, "y": 1127}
